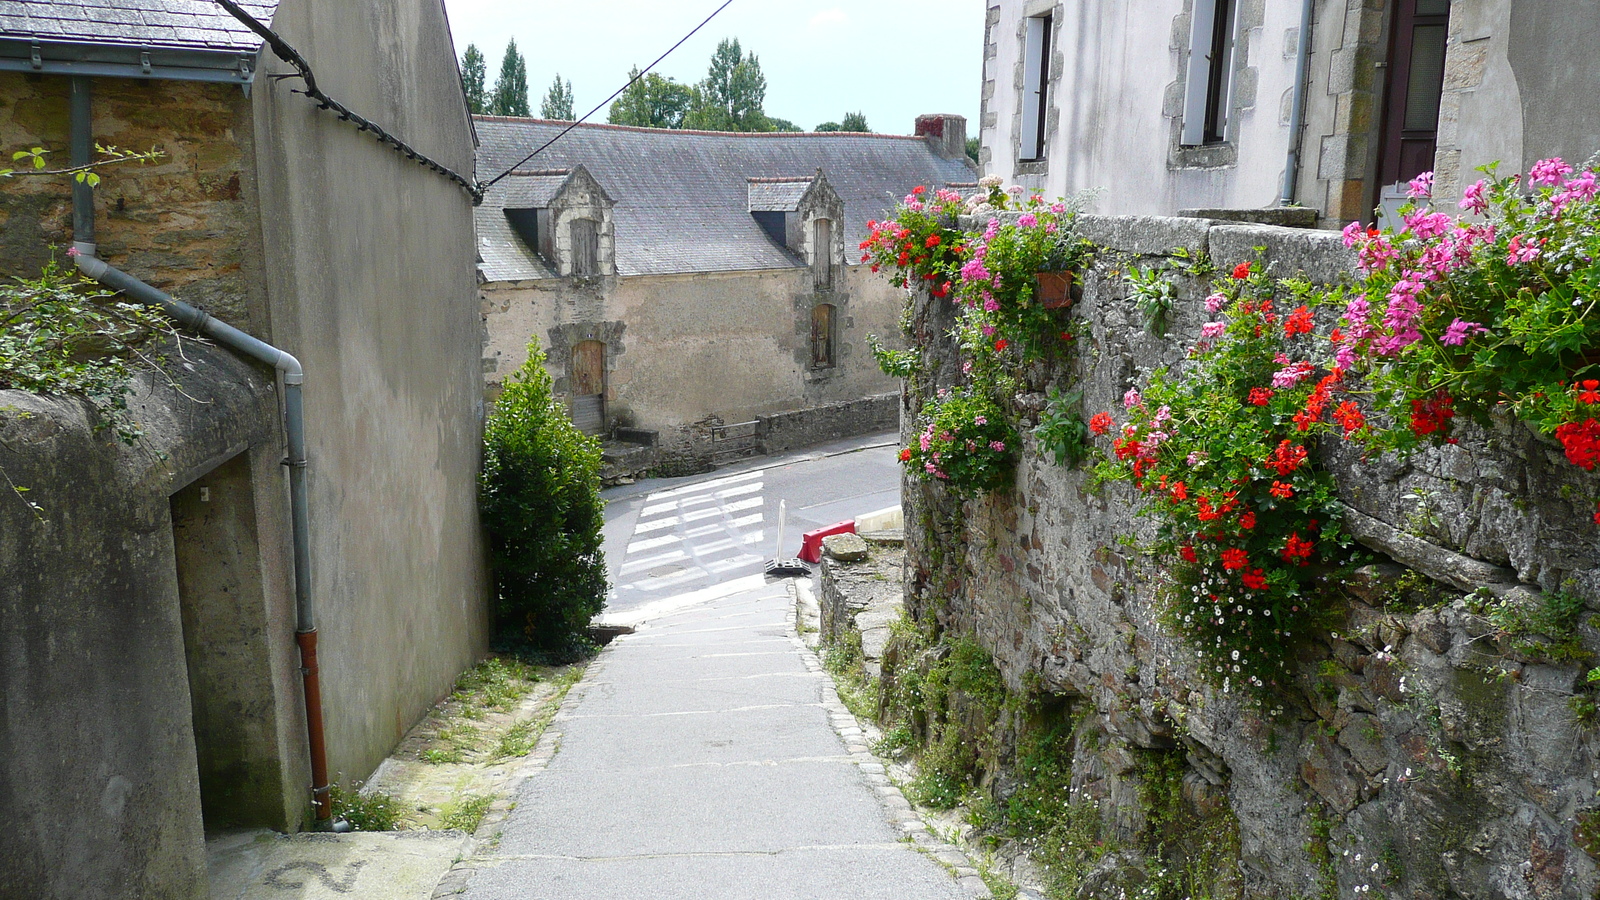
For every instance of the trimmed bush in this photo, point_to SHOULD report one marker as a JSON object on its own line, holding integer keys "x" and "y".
{"x": 542, "y": 514}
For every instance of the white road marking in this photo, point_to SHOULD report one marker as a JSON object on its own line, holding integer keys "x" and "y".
{"x": 706, "y": 486}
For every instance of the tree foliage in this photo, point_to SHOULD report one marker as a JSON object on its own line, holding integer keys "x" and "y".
{"x": 557, "y": 102}
{"x": 542, "y": 514}
{"x": 854, "y": 122}
{"x": 730, "y": 97}
{"x": 510, "y": 96}
{"x": 652, "y": 102}
{"x": 474, "y": 73}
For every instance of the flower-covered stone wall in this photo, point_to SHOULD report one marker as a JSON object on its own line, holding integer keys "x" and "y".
{"x": 1436, "y": 734}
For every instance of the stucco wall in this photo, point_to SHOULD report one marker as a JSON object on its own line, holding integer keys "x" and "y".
{"x": 98, "y": 762}
{"x": 681, "y": 348}
{"x": 369, "y": 270}
{"x": 1419, "y": 752}
{"x": 1117, "y": 76}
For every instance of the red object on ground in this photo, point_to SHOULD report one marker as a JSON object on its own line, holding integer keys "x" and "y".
{"x": 811, "y": 541}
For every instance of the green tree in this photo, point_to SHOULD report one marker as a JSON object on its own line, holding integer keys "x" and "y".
{"x": 542, "y": 514}
{"x": 730, "y": 97}
{"x": 651, "y": 102}
{"x": 557, "y": 102}
{"x": 973, "y": 146}
{"x": 511, "y": 88}
{"x": 828, "y": 126}
{"x": 854, "y": 122}
{"x": 781, "y": 124}
{"x": 473, "y": 74}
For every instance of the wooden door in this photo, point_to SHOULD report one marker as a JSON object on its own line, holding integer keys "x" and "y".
{"x": 822, "y": 255}
{"x": 1411, "y": 105}
{"x": 589, "y": 386}
{"x": 585, "y": 247}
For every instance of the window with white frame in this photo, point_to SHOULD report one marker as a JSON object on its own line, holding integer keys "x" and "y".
{"x": 1209, "y": 92}
{"x": 1035, "y": 87}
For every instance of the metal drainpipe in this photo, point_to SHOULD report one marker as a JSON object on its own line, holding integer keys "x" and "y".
{"x": 294, "y": 426}
{"x": 1297, "y": 110}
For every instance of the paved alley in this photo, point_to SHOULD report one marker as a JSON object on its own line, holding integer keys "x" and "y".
{"x": 699, "y": 758}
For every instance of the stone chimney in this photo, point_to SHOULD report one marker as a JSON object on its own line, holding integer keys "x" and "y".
{"x": 945, "y": 133}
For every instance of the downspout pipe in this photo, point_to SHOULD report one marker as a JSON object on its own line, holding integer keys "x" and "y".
{"x": 89, "y": 264}
{"x": 1297, "y": 108}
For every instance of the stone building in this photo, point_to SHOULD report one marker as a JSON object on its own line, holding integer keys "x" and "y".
{"x": 701, "y": 286}
{"x": 148, "y": 611}
{"x": 1183, "y": 104}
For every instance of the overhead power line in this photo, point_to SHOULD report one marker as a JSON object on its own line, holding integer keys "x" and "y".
{"x": 484, "y": 186}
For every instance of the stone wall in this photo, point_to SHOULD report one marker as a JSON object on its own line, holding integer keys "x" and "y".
{"x": 1425, "y": 752}
{"x": 184, "y": 222}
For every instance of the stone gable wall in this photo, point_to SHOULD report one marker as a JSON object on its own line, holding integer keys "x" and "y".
{"x": 1420, "y": 739}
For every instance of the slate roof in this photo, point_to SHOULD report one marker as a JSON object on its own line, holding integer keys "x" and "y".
{"x": 175, "y": 24}
{"x": 777, "y": 194}
{"x": 683, "y": 198}
{"x": 532, "y": 190}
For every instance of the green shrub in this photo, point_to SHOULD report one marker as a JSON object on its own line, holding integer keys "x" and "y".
{"x": 542, "y": 514}
{"x": 369, "y": 811}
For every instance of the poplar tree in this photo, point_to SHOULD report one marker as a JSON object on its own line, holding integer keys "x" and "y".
{"x": 473, "y": 74}
{"x": 511, "y": 88}
{"x": 557, "y": 102}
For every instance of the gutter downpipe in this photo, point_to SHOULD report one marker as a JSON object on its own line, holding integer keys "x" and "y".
{"x": 1297, "y": 112}
{"x": 194, "y": 319}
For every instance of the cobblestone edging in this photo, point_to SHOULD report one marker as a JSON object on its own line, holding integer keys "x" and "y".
{"x": 455, "y": 881}
{"x": 858, "y": 739}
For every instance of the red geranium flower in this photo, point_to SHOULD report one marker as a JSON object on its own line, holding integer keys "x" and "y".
{"x": 1349, "y": 415}
{"x": 919, "y": 189}
{"x": 1299, "y": 322}
{"x": 1260, "y": 396}
{"x": 1281, "y": 491}
{"x": 1100, "y": 422}
{"x": 1187, "y": 550}
{"x": 1286, "y": 458}
{"x": 1582, "y": 443}
{"x": 1241, "y": 271}
{"x": 1234, "y": 558}
{"x": 1001, "y": 344}
{"x": 1180, "y": 491}
{"x": 1591, "y": 391}
{"x": 933, "y": 241}
{"x": 905, "y": 454}
{"x": 1247, "y": 521}
{"x": 1297, "y": 550}
{"x": 1255, "y": 580}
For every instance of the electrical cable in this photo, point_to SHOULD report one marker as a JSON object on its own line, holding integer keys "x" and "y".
{"x": 484, "y": 186}
{"x": 288, "y": 54}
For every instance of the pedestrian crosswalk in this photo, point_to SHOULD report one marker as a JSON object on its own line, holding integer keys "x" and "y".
{"x": 690, "y": 536}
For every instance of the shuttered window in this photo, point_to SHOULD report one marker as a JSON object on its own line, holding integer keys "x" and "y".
{"x": 822, "y": 336}
{"x": 822, "y": 255}
{"x": 585, "y": 247}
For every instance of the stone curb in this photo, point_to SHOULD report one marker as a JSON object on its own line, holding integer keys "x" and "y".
{"x": 455, "y": 881}
{"x": 897, "y": 809}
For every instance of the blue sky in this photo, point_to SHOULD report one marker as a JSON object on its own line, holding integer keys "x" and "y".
{"x": 891, "y": 59}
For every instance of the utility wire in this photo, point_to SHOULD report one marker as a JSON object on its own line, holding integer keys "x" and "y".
{"x": 484, "y": 186}
{"x": 288, "y": 54}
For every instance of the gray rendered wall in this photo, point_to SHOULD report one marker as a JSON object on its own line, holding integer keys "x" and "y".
{"x": 369, "y": 262}
{"x": 99, "y": 786}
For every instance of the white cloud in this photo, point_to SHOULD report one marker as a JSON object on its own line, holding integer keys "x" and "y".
{"x": 829, "y": 19}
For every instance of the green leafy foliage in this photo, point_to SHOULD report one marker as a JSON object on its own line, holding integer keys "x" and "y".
{"x": 965, "y": 442}
{"x": 557, "y": 103}
{"x": 61, "y": 334}
{"x": 651, "y": 101}
{"x": 473, "y": 76}
{"x": 731, "y": 96}
{"x": 510, "y": 97}
{"x": 1061, "y": 429}
{"x": 894, "y": 363}
{"x": 466, "y": 812}
{"x": 542, "y": 513}
{"x": 365, "y": 811}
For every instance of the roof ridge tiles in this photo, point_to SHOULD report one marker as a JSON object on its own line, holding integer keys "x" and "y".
{"x": 526, "y": 120}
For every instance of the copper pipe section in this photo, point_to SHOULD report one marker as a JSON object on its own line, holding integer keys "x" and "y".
{"x": 319, "y": 751}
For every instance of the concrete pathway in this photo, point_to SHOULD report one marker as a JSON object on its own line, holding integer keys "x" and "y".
{"x": 707, "y": 756}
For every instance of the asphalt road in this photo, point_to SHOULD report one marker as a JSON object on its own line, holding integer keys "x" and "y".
{"x": 667, "y": 538}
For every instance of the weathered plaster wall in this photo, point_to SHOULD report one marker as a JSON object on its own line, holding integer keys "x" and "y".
{"x": 1116, "y": 100}
{"x": 1517, "y": 88}
{"x": 185, "y": 222}
{"x": 1425, "y": 744}
{"x": 98, "y": 741}
{"x": 369, "y": 268}
{"x": 682, "y": 348}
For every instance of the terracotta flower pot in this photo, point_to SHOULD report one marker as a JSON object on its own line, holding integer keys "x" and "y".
{"x": 1054, "y": 289}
